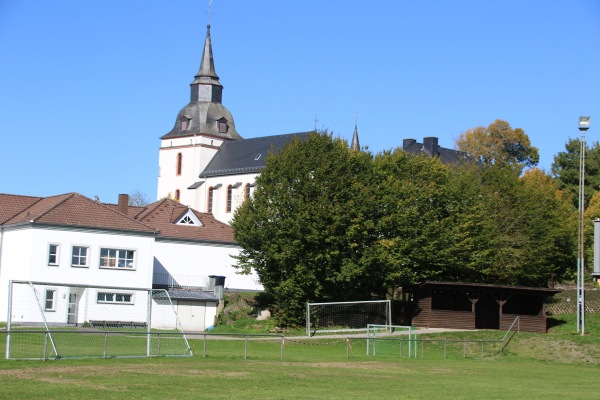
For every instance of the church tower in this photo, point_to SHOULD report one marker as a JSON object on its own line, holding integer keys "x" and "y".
{"x": 200, "y": 129}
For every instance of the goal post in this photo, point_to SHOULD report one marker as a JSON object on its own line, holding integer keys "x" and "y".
{"x": 346, "y": 316}
{"x": 386, "y": 335}
{"x": 58, "y": 320}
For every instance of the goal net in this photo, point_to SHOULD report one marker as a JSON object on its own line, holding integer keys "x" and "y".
{"x": 53, "y": 320}
{"x": 392, "y": 339}
{"x": 348, "y": 316}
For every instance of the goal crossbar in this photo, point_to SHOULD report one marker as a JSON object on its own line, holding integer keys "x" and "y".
{"x": 346, "y": 316}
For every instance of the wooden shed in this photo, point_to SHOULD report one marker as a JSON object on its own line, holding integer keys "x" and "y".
{"x": 480, "y": 306}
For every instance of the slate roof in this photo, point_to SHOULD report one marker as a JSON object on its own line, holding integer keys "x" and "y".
{"x": 75, "y": 210}
{"x": 192, "y": 295}
{"x": 431, "y": 148}
{"x": 248, "y": 155}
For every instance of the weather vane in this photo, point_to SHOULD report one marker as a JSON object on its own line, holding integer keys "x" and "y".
{"x": 315, "y": 120}
{"x": 209, "y": 12}
{"x": 355, "y": 118}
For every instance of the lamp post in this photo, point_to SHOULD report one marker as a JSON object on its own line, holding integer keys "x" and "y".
{"x": 584, "y": 125}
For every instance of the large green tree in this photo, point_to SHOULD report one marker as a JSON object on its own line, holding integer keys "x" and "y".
{"x": 565, "y": 169}
{"x": 327, "y": 223}
{"x": 499, "y": 144}
{"x": 307, "y": 226}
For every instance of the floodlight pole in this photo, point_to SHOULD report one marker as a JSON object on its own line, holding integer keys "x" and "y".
{"x": 584, "y": 125}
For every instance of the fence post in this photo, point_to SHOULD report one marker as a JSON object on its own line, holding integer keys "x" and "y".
{"x": 246, "y": 347}
{"x": 282, "y": 346}
{"x": 445, "y": 341}
{"x": 158, "y": 346}
{"x": 45, "y": 344}
{"x": 105, "y": 344}
{"x": 464, "y": 349}
{"x": 400, "y": 347}
{"x": 205, "y": 345}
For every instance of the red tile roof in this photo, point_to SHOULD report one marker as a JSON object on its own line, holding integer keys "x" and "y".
{"x": 163, "y": 215}
{"x": 12, "y": 204}
{"x": 74, "y": 209}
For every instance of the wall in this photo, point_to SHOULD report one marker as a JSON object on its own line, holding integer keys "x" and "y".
{"x": 202, "y": 259}
{"x": 25, "y": 257}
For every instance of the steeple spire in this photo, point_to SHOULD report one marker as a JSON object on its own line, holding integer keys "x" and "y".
{"x": 206, "y": 85}
{"x": 355, "y": 144}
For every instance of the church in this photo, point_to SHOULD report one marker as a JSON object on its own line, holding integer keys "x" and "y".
{"x": 206, "y": 164}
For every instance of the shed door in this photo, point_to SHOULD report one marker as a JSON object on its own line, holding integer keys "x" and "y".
{"x": 191, "y": 315}
{"x": 487, "y": 313}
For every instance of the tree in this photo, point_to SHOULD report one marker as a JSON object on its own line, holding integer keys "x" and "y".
{"x": 306, "y": 227}
{"x": 138, "y": 199}
{"x": 327, "y": 223}
{"x": 499, "y": 144}
{"x": 565, "y": 169}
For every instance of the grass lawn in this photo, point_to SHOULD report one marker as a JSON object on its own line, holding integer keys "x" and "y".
{"x": 560, "y": 364}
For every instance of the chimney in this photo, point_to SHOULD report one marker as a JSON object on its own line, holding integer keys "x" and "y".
{"x": 406, "y": 143}
{"x": 431, "y": 145}
{"x": 217, "y": 284}
{"x": 123, "y": 203}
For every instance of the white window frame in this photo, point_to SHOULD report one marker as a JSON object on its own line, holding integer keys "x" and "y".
{"x": 119, "y": 256}
{"x": 79, "y": 256}
{"x": 52, "y": 300}
{"x": 115, "y": 298}
{"x": 56, "y": 255}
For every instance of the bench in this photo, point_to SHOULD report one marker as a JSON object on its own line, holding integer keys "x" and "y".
{"x": 117, "y": 324}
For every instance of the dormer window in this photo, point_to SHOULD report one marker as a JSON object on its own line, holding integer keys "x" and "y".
{"x": 189, "y": 218}
{"x": 185, "y": 122}
{"x": 222, "y": 124}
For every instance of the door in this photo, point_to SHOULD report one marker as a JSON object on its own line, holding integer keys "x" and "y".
{"x": 191, "y": 315}
{"x": 72, "y": 309}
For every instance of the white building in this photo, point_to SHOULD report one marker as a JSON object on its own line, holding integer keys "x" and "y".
{"x": 70, "y": 242}
{"x": 203, "y": 161}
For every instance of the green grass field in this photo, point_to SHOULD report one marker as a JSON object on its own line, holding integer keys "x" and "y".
{"x": 560, "y": 364}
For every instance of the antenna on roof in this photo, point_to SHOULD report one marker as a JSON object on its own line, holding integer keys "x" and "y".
{"x": 209, "y": 12}
{"x": 315, "y": 121}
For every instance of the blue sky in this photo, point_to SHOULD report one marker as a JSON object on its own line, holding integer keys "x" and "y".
{"x": 88, "y": 87}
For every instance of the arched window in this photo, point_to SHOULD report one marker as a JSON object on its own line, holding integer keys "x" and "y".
{"x": 229, "y": 197}
{"x": 179, "y": 163}
{"x": 209, "y": 202}
{"x": 177, "y": 194}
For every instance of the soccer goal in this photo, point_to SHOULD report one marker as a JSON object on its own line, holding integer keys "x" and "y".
{"x": 347, "y": 316}
{"x": 54, "y": 320}
{"x": 390, "y": 339}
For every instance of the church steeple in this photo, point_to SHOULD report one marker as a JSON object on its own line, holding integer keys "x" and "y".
{"x": 355, "y": 144}
{"x": 205, "y": 113}
{"x": 206, "y": 85}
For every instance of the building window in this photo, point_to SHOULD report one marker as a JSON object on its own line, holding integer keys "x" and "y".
{"x": 49, "y": 304}
{"x": 53, "y": 254}
{"x": 79, "y": 256}
{"x": 229, "y": 197}
{"x": 179, "y": 164}
{"x": 115, "y": 298}
{"x": 247, "y": 190}
{"x": 185, "y": 123}
{"x": 209, "y": 207}
{"x": 117, "y": 258}
{"x": 187, "y": 221}
{"x": 222, "y": 125}
{"x": 177, "y": 194}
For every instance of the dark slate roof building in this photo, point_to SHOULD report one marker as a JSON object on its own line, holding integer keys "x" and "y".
{"x": 247, "y": 156}
{"x": 431, "y": 148}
